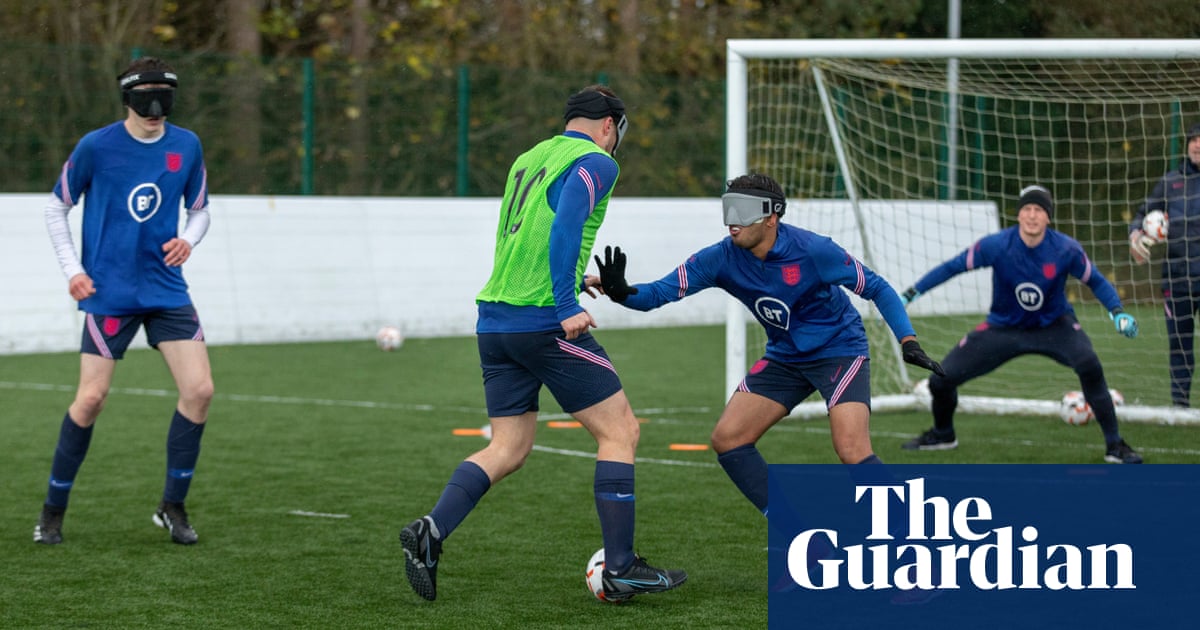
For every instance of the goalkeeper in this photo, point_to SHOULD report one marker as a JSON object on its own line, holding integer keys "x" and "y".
{"x": 1029, "y": 315}
{"x": 1177, "y": 194}
{"x": 791, "y": 279}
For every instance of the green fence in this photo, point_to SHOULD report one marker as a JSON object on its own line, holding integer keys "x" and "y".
{"x": 307, "y": 126}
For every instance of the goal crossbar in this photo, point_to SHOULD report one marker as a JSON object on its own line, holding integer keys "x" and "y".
{"x": 740, "y": 49}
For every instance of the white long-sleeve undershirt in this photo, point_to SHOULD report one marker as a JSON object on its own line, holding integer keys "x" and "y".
{"x": 60, "y": 236}
{"x": 194, "y": 229}
{"x": 196, "y": 226}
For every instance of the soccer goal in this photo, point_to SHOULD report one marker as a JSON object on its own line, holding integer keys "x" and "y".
{"x": 907, "y": 151}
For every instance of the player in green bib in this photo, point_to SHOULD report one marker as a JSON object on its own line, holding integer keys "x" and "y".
{"x": 532, "y": 332}
{"x": 522, "y": 274}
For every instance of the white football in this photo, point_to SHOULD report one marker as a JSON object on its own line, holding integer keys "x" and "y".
{"x": 389, "y": 338}
{"x": 595, "y": 575}
{"x": 1117, "y": 396}
{"x": 1155, "y": 225}
{"x": 1075, "y": 410}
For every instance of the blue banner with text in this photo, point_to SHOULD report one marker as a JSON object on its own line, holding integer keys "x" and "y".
{"x": 983, "y": 546}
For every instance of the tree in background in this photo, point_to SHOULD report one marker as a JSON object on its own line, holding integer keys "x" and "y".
{"x": 387, "y": 70}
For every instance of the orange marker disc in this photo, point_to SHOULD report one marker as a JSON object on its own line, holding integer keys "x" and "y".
{"x": 689, "y": 447}
{"x": 564, "y": 424}
{"x": 468, "y": 432}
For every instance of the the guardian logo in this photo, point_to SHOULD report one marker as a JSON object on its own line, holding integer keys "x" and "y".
{"x": 949, "y": 546}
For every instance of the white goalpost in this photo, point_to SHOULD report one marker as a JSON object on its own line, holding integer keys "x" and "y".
{"x": 907, "y": 151}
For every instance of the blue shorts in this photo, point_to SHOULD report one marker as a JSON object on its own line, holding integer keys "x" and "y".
{"x": 110, "y": 335}
{"x": 516, "y": 365}
{"x": 841, "y": 379}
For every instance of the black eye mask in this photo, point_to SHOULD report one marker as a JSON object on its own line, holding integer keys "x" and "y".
{"x": 151, "y": 102}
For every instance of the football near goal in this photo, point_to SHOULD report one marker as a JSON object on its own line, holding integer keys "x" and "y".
{"x": 1155, "y": 225}
{"x": 1075, "y": 410}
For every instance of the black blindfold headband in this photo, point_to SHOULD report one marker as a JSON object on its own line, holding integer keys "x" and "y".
{"x": 149, "y": 102}
{"x": 595, "y": 105}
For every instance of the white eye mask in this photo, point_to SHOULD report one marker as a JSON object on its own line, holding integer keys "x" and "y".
{"x": 747, "y": 209}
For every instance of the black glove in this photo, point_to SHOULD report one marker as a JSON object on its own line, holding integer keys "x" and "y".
{"x": 914, "y": 355}
{"x": 612, "y": 274}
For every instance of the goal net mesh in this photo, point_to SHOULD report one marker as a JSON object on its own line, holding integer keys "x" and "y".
{"x": 932, "y": 164}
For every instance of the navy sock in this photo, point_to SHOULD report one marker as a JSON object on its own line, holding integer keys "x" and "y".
{"x": 183, "y": 449}
{"x": 73, "y": 442}
{"x": 871, "y": 471}
{"x": 613, "y": 486}
{"x": 871, "y": 459}
{"x": 466, "y": 487}
{"x": 748, "y": 470}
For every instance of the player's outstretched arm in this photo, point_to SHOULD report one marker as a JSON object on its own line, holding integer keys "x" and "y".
{"x": 950, "y": 268}
{"x": 612, "y": 274}
{"x": 915, "y": 355}
{"x": 1125, "y": 323}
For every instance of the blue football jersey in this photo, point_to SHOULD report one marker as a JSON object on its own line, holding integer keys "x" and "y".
{"x": 796, "y": 293}
{"x": 1028, "y": 283}
{"x": 132, "y": 196}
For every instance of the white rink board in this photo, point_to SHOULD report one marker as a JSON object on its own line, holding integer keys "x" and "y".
{"x": 284, "y": 269}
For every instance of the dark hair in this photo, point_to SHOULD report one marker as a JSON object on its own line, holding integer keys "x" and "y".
{"x": 145, "y": 64}
{"x": 1193, "y": 131}
{"x": 756, "y": 181}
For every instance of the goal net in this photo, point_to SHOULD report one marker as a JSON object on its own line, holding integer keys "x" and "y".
{"x": 907, "y": 151}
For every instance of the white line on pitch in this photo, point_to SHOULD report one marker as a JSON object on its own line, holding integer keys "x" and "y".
{"x": 325, "y": 402}
{"x": 320, "y": 402}
{"x": 318, "y": 514}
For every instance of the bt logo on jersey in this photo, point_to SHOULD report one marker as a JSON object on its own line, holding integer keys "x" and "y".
{"x": 772, "y": 311}
{"x": 1029, "y": 296}
{"x": 144, "y": 201}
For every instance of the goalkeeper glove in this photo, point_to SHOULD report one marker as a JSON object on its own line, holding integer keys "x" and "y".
{"x": 910, "y": 294}
{"x": 914, "y": 355}
{"x": 612, "y": 274}
{"x": 1124, "y": 322}
{"x": 1139, "y": 246}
